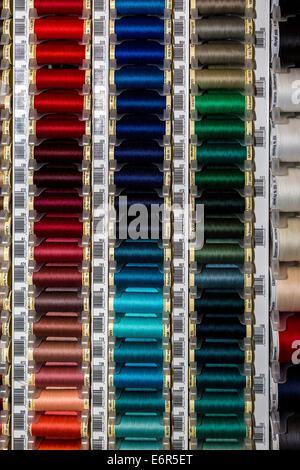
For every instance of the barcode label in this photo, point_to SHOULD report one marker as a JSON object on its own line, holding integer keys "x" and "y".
{"x": 19, "y": 175}
{"x": 99, "y": 52}
{"x": 179, "y": 52}
{"x": 99, "y": 176}
{"x": 19, "y": 443}
{"x": 178, "y": 374}
{"x": 178, "y": 274}
{"x": 19, "y": 249}
{"x": 260, "y": 137}
{"x": 259, "y": 285}
{"x": 98, "y": 398}
{"x": 98, "y": 424}
{"x": 259, "y": 237}
{"x": 178, "y": 77}
{"x": 20, "y": 5}
{"x": 259, "y": 335}
{"x": 259, "y": 434}
{"x": 259, "y": 187}
{"x": 99, "y": 5}
{"x": 178, "y": 250}
{"x": 260, "y": 38}
{"x": 178, "y": 300}
{"x": 99, "y": 274}
{"x": 19, "y": 347}
{"x": 178, "y": 325}
{"x": 19, "y": 422}
{"x": 19, "y": 324}
{"x": 98, "y": 324}
{"x": 19, "y": 27}
{"x": 19, "y": 200}
{"x": 19, "y": 76}
{"x": 98, "y": 349}
{"x": 98, "y": 374}
{"x": 178, "y": 151}
{"x": 98, "y": 299}
{"x": 98, "y": 199}
{"x": 19, "y": 152}
{"x": 19, "y": 397}
{"x": 20, "y": 52}
{"x": 178, "y": 422}
{"x": 99, "y": 27}
{"x": 259, "y": 385}
{"x": 19, "y": 274}
{"x": 178, "y": 444}
{"x": 178, "y": 198}
{"x": 19, "y": 299}
{"x": 178, "y": 349}
{"x": 98, "y": 151}
{"x": 98, "y": 444}
{"x": 98, "y": 249}
{"x": 19, "y": 223}
{"x": 179, "y": 27}
{"x": 178, "y": 398}
{"x": 179, "y": 5}
{"x": 19, "y": 372}
{"x": 178, "y": 102}
{"x": 260, "y": 88}
{"x": 178, "y": 126}
{"x": 179, "y": 176}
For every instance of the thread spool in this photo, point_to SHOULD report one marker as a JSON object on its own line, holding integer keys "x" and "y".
{"x": 227, "y": 79}
{"x": 60, "y": 203}
{"x": 55, "y": 326}
{"x": 142, "y": 377}
{"x": 139, "y": 7}
{"x": 138, "y": 152}
{"x": 58, "y": 252}
{"x": 59, "y": 376}
{"x": 139, "y": 252}
{"x": 57, "y": 426}
{"x": 222, "y": 377}
{"x": 211, "y": 352}
{"x": 289, "y": 241}
{"x": 56, "y": 444}
{"x": 59, "y": 102}
{"x": 291, "y": 439}
{"x": 55, "y": 126}
{"x": 60, "y": 78}
{"x": 139, "y": 52}
{"x": 134, "y": 177}
{"x": 58, "y": 7}
{"x": 222, "y": 28}
{"x": 220, "y": 302}
{"x": 230, "y": 202}
{"x": 139, "y": 27}
{"x": 286, "y": 191}
{"x": 57, "y": 301}
{"x": 58, "y": 151}
{"x": 58, "y": 400}
{"x": 221, "y": 7}
{"x": 220, "y": 54}
{"x": 287, "y": 338}
{"x": 53, "y": 276}
{"x": 58, "y": 351}
{"x": 58, "y": 177}
{"x": 57, "y": 27}
{"x": 218, "y": 253}
{"x": 137, "y": 128}
{"x": 285, "y": 92}
{"x": 289, "y": 40}
{"x": 287, "y": 140}
{"x": 61, "y": 53}
{"x": 288, "y": 294}
{"x": 133, "y": 77}
{"x": 58, "y": 227}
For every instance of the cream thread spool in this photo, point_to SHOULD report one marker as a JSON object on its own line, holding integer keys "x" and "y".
{"x": 288, "y": 141}
{"x": 289, "y": 241}
{"x": 288, "y": 291}
{"x": 288, "y": 191}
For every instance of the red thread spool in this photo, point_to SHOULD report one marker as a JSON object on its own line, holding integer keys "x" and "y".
{"x": 61, "y": 53}
{"x": 58, "y": 27}
{"x": 57, "y": 426}
{"x": 51, "y": 227}
{"x": 58, "y": 351}
{"x": 1, "y": 404}
{"x": 58, "y": 252}
{"x": 60, "y": 203}
{"x": 60, "y": 127}
{"x": 288, "y": 337}
{"x": 59, "y": 102}
{"x": 57, "y": 177}
{"x": 57, "y": 301}
{"x": 60, "y": 327}
{"x": 59, "y": 376}
{"x": 64, "y": 78}
{"x": 59, "y": 7}
{"x": 57, "y": 276}
{"x": 63, "y": 444}
{"x": 58, "y": 151}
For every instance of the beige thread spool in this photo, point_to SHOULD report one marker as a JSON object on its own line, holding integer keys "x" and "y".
{"x": 220, "y": 54}
{"x": 221, "y": 7}
{"x": 289, "y": 241}
{"x": 288, "y": 291}
{"x": 220, "y": 79}
{"x": 288, "y": 191}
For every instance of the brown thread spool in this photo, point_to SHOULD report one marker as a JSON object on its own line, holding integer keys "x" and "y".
{"x": 57, "y": 301}
{"x": 220, "y": 79}
{"x": 220, "y": 54}
{"x": 58, "y": 351}
{"x": 227, "y": 27}
{"x": 288, "y": 292}
{"x": 221, "y": 7}
{"x": 59, "y": 400}
{"x": 57, "y": 326}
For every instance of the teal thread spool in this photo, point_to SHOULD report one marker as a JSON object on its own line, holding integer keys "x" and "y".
{"x": 220, "y": 253}
{"x": 141, "y": 444}
{"x": 214, "y": 277}
{"x": 145, "y": 352}
{"x": 140, "y": 427}
{"x": 225, "y": 377}
{"x": 138, "y": 327}
{"x": 212, "y": 352}
{"x": 139, "y": 376}
{"x": 140, "y": 402}
{"x": 220, "y": 302}
{"x": 231, "y": 129}
{"x": 218, "y": 427}
{"x": 221, "y": 103}
{"x": 139, "y": 276}
{"x": 221, "y": 154}
{"x": 220, "y": 402}
{"x": 219, "y": 445}
{"x": 139, "y": 302}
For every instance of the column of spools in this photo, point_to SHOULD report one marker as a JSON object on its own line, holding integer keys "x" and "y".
{"x": 221, "y": 179}
{"x": 285, "y": 227}
{"x": 59, "y": 253}
{"x": 139, "y": 278}
{"x": 5, "y": 221}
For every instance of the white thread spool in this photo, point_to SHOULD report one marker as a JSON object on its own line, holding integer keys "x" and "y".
{"x": 288, "y": 141}
{"x": 287, "y": 97}
{"x": 288, "y": 191}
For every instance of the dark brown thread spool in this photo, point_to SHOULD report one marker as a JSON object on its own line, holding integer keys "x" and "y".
{"x": 221, "y": 7}
{"x": 58, "y": 351}
{"x": 220, "y": 54}
{"x": 58, "y": 302}
{"x": 227, "y": 27}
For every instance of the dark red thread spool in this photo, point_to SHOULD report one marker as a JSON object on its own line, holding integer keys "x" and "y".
{"x": 55, "y": 326}
{"x": 53, "y": 276}
{"x": 55, "y": 126}
{"x": 51, "y": 227}
{"x": 59, "y": 102}
{"x": 51, "y": 176}
{"x": 57, "y": 301}
{"x": 59, "y": 376}
{"x": 58, "y": 351}
{"x": 63, "y": 53}
{"x": 58, "y": 151}
{"x": 59, "y": 7}
{"x": 63, "y": 78}
{"x": 57, "y": 27}
{"x": 288, "y": 339}
{"x": 58, "y": 252}
{"x": 58, "y": 426}
{"x": 61, "y": 203}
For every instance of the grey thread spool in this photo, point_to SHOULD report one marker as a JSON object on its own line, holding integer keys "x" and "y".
{"x": 221, "y": 7}
{"x": 220, "y": 28}
{"x": 220, "y": 54}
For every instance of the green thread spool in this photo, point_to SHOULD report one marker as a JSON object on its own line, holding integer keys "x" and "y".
{"x": 145, "y": 352}
{"x": 230, "y": 202}
{"x": 220, "y": 179}
{"x": 221, "y": 103}
{"x": 214, "y": 352}
{"x": 218, "y": 427}
{"x": 230, "y": 445}
{"x": 139, "y": 444}
{"x": 223, "y": 228}
{"x": 220, "y": 302}
{"x": 141, "y": 327}
{"x": 224, "y": 402}
{"x": 140, "y": 402}
{"x": 225, "y": 154}
{"x": 220, "y": 253}
{"x": 225, "y": 377}
{"x": 220, "y": 129}
{"x": 140, "y": 427}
